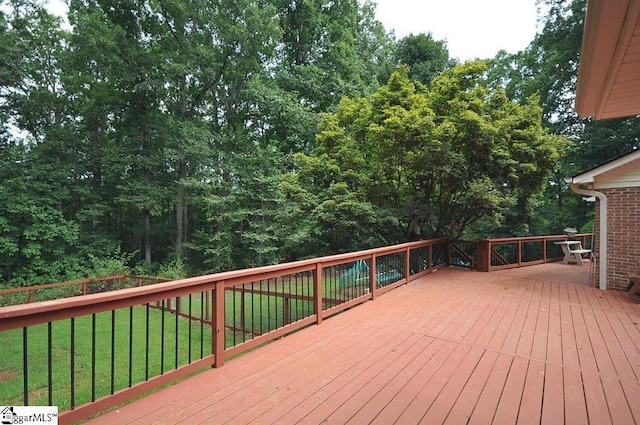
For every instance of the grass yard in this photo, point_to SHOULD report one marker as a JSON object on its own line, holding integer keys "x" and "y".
{"x": 11, "y": 362}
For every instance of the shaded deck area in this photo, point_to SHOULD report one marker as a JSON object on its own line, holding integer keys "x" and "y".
{"x": 532, "y": 345}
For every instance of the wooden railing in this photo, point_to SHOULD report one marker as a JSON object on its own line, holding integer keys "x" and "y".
{"x": 72, "y": 288}
{"x": 90, "y": 352}
{"x": 496, "y": 254}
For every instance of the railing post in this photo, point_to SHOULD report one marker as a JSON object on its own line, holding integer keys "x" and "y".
{"x": 373, "y": 285}
{"x": 317, "y": 293}
{"x": 519, "y": 252}
{"x": 407, "y": 265}
{"x": 484, "y": 255}
{"x": 218, "y": 328}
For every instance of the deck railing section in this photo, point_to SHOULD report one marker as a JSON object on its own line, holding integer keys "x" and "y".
{"x": 73, "y": 288}
{"x": 504, "y": 253}
{"x": 90, "y": 352}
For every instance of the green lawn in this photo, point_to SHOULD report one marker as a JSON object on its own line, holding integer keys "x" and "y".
{"x": 11, "y": 363}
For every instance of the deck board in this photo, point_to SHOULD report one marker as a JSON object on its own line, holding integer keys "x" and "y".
{"x": 574, "y": 398}
{"x": 553, "y": 396}
{"x": 531, "y": 404}
{"x": 537, "y": 346}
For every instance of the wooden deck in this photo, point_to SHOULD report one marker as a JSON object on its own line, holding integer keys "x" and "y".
{"x": 456, "y": 347}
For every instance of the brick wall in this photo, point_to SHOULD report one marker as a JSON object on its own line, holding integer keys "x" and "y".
{"x": 624, "y": 235}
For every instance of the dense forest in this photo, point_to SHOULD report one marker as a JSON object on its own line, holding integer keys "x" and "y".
{"x": 180, "y": 137}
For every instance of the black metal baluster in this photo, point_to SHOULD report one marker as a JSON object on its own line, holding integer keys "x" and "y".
{"x": 113, "y": 351}
{"x": 279, "y": 298}
{"x": 202, "y": 324}
{"x": 249, "y": 312}
{"x": 146, "y": 351}
{"x": 282, "y": 300}
{"x": 130, "y": 346}
{"x": 50, "y": 363}
{"x": 177, "y": 325}
{"x": 235, "y": 314}
{"x": 25, "y": 366}
{"x": 268, "y": 305}
{"x": 326, "y": 277}
{"x": 333, "y": 282}
{"x": 162, "y": 340}
{"x": 243, "y": 312}
{"x": 253, "y": 311}
{"x": 309, "y": 288}
{"x": 307, "y": 281}
{"x": 290, "y": 302}
{"x": 261, "y": 312}
{"x": 93, "y": 357}
{"x": 327, "y": 292}
{"x": 73, "y": 363}
{"x": 300, "y": 280}
{"x": 190, "y": 328}
{"x": 274, "y": 310}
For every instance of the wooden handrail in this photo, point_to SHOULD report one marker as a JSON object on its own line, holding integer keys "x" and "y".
{"x": 16, "y": 316}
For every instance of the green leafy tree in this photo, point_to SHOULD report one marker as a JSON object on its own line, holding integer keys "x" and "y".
{"x": 332, "y": 49}
{"x": 425, "y": 56}
{"x": 409, "y": 162}
{"x": 548, "y": 67}
{"x": 38, "y": 236}
{"x": 158, "y": 132}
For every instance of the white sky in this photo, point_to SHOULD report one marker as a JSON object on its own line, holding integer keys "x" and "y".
{"x": 473, "y": 28}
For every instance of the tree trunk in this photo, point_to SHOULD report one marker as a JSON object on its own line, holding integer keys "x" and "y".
{"x": 147, "y": 234}
{"x": 118, "y": 230}
{"x": 180, "y": 211}
{"x": 182, "y": 177}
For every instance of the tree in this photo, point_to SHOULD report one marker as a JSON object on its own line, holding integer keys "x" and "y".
{"x": 548, "y": 67}
{"x": 38, "y": 237}
{"x": 157, "y": 132}
{"x": 425, "y": 57}
{"x": 409, "y": 162}
{"x": 332, "y": 49}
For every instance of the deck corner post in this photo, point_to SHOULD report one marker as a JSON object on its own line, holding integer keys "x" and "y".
{"x": 484, "y": 255}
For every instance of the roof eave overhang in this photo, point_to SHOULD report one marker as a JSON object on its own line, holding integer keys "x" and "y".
{"x": 609, "y": 26}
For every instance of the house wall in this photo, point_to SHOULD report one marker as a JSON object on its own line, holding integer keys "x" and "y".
{"x": 623, "y": 242}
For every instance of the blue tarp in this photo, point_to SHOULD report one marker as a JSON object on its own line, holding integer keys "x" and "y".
{"x": 358, "y": 275}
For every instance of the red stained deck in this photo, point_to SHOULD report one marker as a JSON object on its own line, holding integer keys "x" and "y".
{"x": 535, "y": 345}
